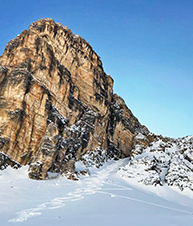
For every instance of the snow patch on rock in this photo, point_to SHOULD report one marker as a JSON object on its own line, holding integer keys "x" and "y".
{"x": 165, "y": 161}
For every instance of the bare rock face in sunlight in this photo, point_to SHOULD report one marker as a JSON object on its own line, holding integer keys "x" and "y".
{"x": 57, "y": 107}
{"x": 57, "y": 103}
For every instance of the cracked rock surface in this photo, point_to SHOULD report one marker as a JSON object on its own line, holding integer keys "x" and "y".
{"x": 57, "y": 103}
{"x": 57, "y": 107}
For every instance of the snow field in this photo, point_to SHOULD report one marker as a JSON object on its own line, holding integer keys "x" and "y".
{"x": 103, "y": 198}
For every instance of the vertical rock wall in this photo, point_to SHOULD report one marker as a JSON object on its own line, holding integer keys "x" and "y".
{"x": 57, "y": 103}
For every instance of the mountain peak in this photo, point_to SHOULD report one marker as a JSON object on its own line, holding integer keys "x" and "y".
{"x": 57, "y": 103}
{"x": 57, "y": 107}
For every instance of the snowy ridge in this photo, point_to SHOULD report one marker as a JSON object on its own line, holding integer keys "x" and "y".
{"x": 103, "y": 198}
{"x": 164, "y": 161}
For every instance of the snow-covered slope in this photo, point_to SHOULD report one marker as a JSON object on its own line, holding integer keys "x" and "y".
{"x": 105, "y": 197}
{"x": 164, "y": 161}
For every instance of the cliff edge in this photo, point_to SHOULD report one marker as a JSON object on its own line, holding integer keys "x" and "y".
{"x": 57, "y": 103}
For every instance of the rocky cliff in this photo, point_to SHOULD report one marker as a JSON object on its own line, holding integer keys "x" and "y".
{"x": 57, "y": 107}
{"x": 57, "y": 103}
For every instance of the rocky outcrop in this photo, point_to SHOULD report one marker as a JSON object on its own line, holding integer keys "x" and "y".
{"x": 57, "y": 103}
{"x": 5, "y": 161}
{"x": 163, "y": 161}
{"x": 57, "y": 107}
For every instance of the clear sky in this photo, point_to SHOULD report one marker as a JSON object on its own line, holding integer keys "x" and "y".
{"x": 145, "y": 45}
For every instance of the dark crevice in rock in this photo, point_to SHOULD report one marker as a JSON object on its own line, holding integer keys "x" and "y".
{"x": 55, "y": 117}
{"x": 63, "y": 73}
{"x": 28, "y": 82}
{"x": 21, "y": 114}
{"x": 5, "y": 161}
{"x": 37, "y": 44}
{"x": 51, "y": 58}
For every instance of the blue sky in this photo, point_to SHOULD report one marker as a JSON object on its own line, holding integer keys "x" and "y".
{"x": 145, "y": 45}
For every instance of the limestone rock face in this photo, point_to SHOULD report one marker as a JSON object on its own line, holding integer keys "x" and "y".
{"x": 57, "y": 103}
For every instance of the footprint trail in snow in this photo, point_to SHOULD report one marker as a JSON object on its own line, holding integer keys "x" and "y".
{"x": 88, "y": 186}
